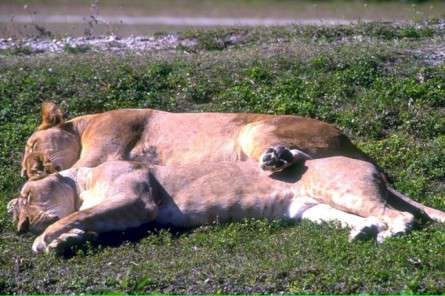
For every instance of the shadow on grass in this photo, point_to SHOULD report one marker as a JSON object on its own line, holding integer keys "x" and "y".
{"x": 115, "y": 239}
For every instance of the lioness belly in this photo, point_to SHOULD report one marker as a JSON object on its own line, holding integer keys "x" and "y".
{"x": 192, "y": 211}
{"x": 205, "y": 193}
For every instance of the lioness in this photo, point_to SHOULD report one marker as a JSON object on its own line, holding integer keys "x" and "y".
{"x": 165, "y": 138}
{"x": 117, "y": 195}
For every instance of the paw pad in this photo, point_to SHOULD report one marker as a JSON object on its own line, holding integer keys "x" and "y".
{"x": 277, "y": 158}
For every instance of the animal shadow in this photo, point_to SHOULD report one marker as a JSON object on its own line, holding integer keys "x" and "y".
{"x": 115, "y": 239}
{"x": 291, "y": 174}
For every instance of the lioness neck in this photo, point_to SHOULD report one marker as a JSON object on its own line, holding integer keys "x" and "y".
{"x": 79, "y": 124}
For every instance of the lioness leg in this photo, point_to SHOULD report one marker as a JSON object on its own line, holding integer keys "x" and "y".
{"x": 119, "y": 213}
{"x": 398, "y": 223}
{"x": 360, "y": 228}
{"x": 370, "y": 206}
{"x": 260, "y": 140}
{"x": 404, "y": 203}
{"x": 356, "y": 187}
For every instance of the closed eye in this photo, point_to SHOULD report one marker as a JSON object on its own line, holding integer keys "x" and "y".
{"x": 30, "y": 146}
{"x": 28, "y": 198}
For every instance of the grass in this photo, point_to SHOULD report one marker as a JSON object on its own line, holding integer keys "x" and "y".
{"x": 376, "y": 82}
{"x": 76, "y": 49}
{"x": 219, "y": 39}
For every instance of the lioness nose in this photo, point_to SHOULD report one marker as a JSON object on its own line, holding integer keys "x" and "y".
{"x": 23, "y": 225}
{"x": 36, "y": 169}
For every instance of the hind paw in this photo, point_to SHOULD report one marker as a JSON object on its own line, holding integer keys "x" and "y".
{"x": 397, "y": 226}
{"x": 370, "y": 229}
{"x": 278, "y": 158}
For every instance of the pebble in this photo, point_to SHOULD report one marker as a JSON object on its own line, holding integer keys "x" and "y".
{"x": 101, "y": 43}
{"x": 433, "y": 54}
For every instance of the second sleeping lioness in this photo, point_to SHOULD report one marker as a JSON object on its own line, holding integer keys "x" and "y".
{"x": 117, "y": 195}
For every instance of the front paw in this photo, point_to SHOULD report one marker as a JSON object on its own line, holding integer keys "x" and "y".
{"x": 39, "y": 245}
{"x": 278, "y": 158}
{"x": 60, "y": 244}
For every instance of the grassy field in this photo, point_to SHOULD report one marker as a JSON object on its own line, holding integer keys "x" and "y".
{"x": 384, "y": 86}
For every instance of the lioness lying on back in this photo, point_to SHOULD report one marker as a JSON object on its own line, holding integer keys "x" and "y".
{"x": 120, "y": 194}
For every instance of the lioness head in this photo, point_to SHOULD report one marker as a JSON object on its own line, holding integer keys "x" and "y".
{"x": 42, "y": 202}
{"x": 52, "y": 147}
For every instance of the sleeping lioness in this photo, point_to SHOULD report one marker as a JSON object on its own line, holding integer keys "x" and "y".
{"x": 117, "y": 195}
{"x": 165, "y": 138}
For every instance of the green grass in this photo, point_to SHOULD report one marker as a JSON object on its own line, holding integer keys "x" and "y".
{"x": 382, "y": 90}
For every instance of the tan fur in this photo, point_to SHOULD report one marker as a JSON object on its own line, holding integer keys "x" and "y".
{"x": 158, "y": 137}
{"x": 120, "y": 194}
{"x": 51, "y": 116}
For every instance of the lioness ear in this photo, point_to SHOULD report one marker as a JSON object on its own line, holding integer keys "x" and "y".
{"x": 52, "y": 115}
